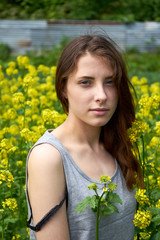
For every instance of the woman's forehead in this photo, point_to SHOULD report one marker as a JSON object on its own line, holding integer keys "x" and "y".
{"x": 91, "y": 60}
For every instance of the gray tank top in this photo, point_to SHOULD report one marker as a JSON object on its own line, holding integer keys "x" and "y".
{"x": 116, "y": 226}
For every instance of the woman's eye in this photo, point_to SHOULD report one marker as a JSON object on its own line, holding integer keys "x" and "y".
{"x": 85, "y": 82}
{"x": 109, "y": 82}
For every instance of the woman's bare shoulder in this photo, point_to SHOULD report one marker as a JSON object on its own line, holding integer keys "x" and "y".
{"x": 45, "y": 167}
{"x": 44, "y": 155}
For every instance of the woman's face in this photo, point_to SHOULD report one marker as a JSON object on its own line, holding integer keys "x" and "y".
{"x": 90, "y": 91}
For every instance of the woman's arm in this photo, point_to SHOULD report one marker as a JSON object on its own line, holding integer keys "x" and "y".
{"x": 46, "y": 188}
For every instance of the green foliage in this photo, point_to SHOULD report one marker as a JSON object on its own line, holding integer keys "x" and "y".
{"x": 91, "y": 201}
{"x": 143, "y": 65}
{"x": 5, "y": 51}
{"x": 116, "y": 10}
{"x": 109, "y": 209}
{"x": 114, "y": 197}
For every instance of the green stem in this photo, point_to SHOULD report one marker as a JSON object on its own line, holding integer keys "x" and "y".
{"x": 97, "y": 222}
{"x": 98, "y": 216}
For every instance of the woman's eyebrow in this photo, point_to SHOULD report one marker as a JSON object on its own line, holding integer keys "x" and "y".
{"x": 109, "y": 77}
{"x": 86, "y": 77}
{"x": 90, "y": 77}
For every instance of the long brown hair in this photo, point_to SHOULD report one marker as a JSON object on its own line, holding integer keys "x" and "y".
{"x": 115, "y": 133}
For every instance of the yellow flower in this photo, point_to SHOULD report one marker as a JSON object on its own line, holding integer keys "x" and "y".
{"x": 145, "y": 235}
{"x": 157, "y": 128}
{"x": 39, "y": 129}
{"x": 10, "y": 203}
{"x": 6, "y": 98}
{"x": 1, "y": 76}
{"x": 137, "y": 129}
{"x": 9, "y": 71}
{"x": 112, "y": 186}
{"x": 142, "y": 219}
{"x": 53, "y": 71}
{"x": 47, "y": 115}
{"x": 1, "y": 134}
{"x": 44, "y": 101}
{"x": 4, "y": 163}
{"x": 11, "y": 113}
{"x": 19, "y": 163}
{"x": 58, "y": 118}
{"x": 28, "y": 80}
{"x": 141, "y": 196}
{"x": 134, "y": 80}
{"x": 158, "y": 204}
{"x": 144, "y": 89}
{"x": 23, "y": 61}
{"x": 12, "y": 64}
{"x": 27, "y": 134}
{"x": 15, "y": 71}
{"x": 92, "y": 186}
{"x": 158, "y": 180}
{"x": 105, "y": 189}
{"x": 145, "y": 105}
{"x": 49, "y": 80}
{"x": 14, "y": 88}
{"x": 18, "y": 98}
{"x": 6, "y": 176}
{"x": 155, "y": 87}
{"x": 151, "y": 178}
{"x": 32, "y": 72}
{"x": 155, "y": 101}
{"x": 143, "y": 80}
{"x": 32, "y": 92}
{"x": 5, "y": 144}
{"x": 154, "y": 143}
{"x": 34, "y": 103}
{"x": 28, "y": 112}
{"x": 44, "y": 69}
{"x": 28, "y": 231}
{"x": 17, "y": 236}
{"x": 20, "y": 121}
{"x": 105, "y": 179}
{"x": 52, "y": 96}
{"x": 12, "y": 149}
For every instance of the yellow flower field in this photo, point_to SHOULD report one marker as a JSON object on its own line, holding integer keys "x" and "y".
{"x": 29, "y": 106}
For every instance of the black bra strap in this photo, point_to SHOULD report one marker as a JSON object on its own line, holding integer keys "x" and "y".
{"x": 46, "y": 217}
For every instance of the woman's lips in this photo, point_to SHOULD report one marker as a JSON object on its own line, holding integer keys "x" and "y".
{"x": 99, "y": 111}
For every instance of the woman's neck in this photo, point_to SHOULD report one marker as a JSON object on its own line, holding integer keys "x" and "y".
{"x": 80, "y": 132}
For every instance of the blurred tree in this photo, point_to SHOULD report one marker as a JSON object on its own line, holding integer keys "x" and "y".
{"x": 118, "y": 10}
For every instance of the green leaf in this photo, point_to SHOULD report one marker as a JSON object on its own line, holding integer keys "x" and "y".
{"x": 10, "y": 220}
{"x": 156, "y": 219}
{"x": 83, "y": 204}
{"x": 93, "y": 203}
{"x": 114, "y": 198}
{"x": 109, "y": 209}
{"x": 105, "y": 203}
{"x": 156, "y": 236}
{"x": 155, "y": 194}
{"x": 154, "y": 210}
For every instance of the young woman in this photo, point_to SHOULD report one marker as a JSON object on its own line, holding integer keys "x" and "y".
{"x": 93, "y": 87}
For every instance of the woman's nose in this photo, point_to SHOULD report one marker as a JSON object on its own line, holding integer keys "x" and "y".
{"x": 100, "y": 94}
